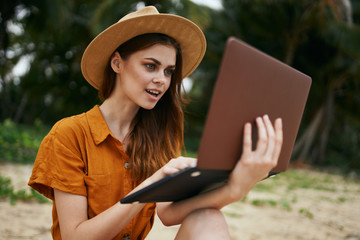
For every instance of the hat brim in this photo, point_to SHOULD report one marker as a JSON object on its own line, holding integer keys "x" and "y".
{"x": 190, "y": 37}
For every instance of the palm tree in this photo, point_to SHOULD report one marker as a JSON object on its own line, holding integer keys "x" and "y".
{"x": 319, "y": 38}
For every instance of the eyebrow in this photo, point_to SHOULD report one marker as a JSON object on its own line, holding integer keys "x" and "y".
{"x": 158, "y": 62}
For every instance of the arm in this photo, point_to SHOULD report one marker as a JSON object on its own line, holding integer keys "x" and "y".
{"x": 252, "y": 167}
{"x": 72, "y": 210}
{"x": 74, "y": 222}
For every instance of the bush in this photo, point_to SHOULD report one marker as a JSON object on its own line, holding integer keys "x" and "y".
{"x": 7, "y": 191}
{"x": 19, "y": 143}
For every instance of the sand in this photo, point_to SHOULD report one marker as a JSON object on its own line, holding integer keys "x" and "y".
{"x": 313, "y": 214}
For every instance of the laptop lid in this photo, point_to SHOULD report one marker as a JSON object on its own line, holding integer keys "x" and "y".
{"x": 251, "y": 83}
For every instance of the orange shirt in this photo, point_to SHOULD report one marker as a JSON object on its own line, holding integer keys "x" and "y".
{"x": 81, "y": 156}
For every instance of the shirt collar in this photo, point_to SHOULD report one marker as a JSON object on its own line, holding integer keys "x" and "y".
{"x": 98, "y": 127}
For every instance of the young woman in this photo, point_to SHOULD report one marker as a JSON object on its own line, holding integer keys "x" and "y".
{"x": 88, "y": 162}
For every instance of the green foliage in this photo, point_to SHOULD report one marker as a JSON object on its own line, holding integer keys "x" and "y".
{"x": 5, "y": 187}
{"x": 264, "y": 202}
{"x": 7, "y": 191}
{"x": 40, "y": 198}
{"x": 293, "y": 180}
{"x": 299, "y": 179}
{"x": 306, "y": 213}
{"x": 266, "y": 186}
{"x": 344, "y": 150}
{"x": 286, "y": 205}
{"x": 320, "y": 38}
{"x": 19, "y": 143}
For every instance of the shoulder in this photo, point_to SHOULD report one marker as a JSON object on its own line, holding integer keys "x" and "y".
{"x": 70, "y": 126}
{"x": 77, "y": 125}
{"x": 69, "y": 132}
{"x": 59, "y": 162}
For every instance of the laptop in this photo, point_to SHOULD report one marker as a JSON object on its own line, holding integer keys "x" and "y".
{"x": 250, "y": 83}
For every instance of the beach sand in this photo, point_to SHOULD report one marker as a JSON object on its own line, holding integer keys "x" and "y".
{"x": 307, "y": 214}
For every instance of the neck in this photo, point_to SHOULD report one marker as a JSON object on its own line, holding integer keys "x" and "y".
{"x": 118, "y": 117}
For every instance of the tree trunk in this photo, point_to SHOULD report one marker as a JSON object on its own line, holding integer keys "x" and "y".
{"x": 326, "y": 126}
{"x": 302, "y": 147}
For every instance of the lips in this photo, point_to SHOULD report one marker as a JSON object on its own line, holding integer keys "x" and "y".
{"x": 154, "y": 93}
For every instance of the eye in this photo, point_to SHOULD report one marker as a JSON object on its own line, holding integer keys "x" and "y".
{"x": 169, "y": 72}
{"x": 150, "y": 66}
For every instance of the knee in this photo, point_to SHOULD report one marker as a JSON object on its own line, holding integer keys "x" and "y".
{"x": 207, "y": 216}
{"x": 204, "y": 224}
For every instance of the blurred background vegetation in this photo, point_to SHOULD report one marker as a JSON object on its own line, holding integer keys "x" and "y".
{"x": 42, "y": 41}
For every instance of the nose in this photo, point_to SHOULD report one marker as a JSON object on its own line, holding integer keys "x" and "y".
{"x": 160, "y": 79}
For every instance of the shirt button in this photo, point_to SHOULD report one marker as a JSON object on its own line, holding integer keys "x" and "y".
{"x": 126, "y": 237}
{"x": 127, "y": 165}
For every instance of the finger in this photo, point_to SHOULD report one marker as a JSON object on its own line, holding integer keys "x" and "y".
{"x": 189, "y": 161}
{"x": 167, "y": 169}
{"x": 183, "y": 162}
{"x": 171, "y": 167}
{"x": 278, "y": 138}
{"x": 271, "y": 136}
{"x": 247, "y": 141}
{"x": 177, "y": 164}
{"x": 262, "y": 142}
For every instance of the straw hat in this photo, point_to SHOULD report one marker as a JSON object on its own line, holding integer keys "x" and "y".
{"x": 146, "y": 20}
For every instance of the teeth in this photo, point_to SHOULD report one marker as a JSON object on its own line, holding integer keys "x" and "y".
{"x": 153, "y": 92}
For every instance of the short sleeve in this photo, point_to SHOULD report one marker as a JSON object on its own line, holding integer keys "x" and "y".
{"x": 59, "y": 163}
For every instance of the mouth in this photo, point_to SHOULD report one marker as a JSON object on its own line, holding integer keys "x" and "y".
{"x": 154, "y": 93}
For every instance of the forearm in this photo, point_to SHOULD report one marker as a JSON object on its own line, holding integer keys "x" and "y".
{"x": 74, "y": 222}
{"x": 107, "y": 224}
{"x": 175, "y": 213}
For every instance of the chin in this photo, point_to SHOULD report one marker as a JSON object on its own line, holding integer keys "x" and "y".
{"x": 148, "y": 106}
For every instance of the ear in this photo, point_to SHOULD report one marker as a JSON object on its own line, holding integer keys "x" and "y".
{"x": 116, "y": 62}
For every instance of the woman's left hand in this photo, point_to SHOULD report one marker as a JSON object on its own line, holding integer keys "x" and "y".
{"x": 255, "y": 165}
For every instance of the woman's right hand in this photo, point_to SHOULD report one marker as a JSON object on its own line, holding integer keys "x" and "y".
{"x": 173, "y": 166}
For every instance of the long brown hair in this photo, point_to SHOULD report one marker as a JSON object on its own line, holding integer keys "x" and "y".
{"x": 157, "y": 134}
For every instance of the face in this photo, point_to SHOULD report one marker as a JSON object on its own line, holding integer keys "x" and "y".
{"x": 145, "y": 76}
